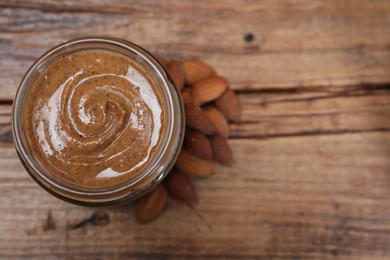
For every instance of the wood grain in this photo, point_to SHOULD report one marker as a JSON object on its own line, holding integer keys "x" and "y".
{"x": 310, "y": 181}
{"x": 296, "y": 43}
{"x": 303, "y": 197}
{"x": 311, "y": 173}
{"x": 319, "y": 111}
{"x": 296, "y": 112}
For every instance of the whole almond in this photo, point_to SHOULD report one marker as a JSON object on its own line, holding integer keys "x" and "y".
{"x": 191, "y": 165}
{"x": 196, "y": 70}
{"x": 180, "y": 186}
{"x": 160, "y": 59}
{"x": 186, "y": 95}
{"x": 229, "y": 105}
{"x": 197, "y": 119}
{"x": 198, "y": 144}
{"x": 219, "y": 121}
{"x": 176, "y": 71}
{"x": 151, "y": 205}
{"x": 208, "y": 89}
{"x": 221, "y": 150}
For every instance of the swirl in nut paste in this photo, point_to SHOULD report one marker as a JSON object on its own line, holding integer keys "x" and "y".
{"x": 94, "y": 118}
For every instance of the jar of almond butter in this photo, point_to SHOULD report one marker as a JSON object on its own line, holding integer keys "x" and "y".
{"x": 97, "y": 121}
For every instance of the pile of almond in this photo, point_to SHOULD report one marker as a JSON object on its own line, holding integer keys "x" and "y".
{"x": 209, "y": 106}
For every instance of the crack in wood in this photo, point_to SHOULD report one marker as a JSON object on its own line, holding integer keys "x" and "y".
{"x": 50, "y": 223}
{"x": 69, "y": 9}
{"x": 6, "y": 102}
{"x": 369, "y": 88}
{"x": 97, "y": 219}
{"x": 6, "y": 137}
{"x": 309, "y": 133}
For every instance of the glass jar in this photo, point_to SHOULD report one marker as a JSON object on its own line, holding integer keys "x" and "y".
{"x": 165, "y": 154}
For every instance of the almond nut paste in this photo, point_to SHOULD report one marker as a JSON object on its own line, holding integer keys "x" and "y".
{"x": 94, "y": 118}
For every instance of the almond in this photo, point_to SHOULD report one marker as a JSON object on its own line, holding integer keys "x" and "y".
{"x": 151, "y": 205}
{"x": 191, "y": 165}
{"x": 176, "y": 71}
{"x": 221, "y": 150}
{"x": 198, "y": 144}
{"x": 180, "y": 186}
{"x": 208, "y": 89}
{"x": 229, "y": 105}
{"x": 219, "y": 121}
{"x": 197, "y": 119}
{"x": 186, "y": 95}
{"x": 196, "y": 70}
{"x": 160, "y": 59}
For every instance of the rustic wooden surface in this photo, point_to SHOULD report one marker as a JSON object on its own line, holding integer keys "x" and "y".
{"x": 312, "y": 172}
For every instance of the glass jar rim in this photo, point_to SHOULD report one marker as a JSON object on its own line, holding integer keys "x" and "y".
{"x": 165, "y": 154}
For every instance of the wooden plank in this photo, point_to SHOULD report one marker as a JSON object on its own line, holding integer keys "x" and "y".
{"x": 5, "y": 124}
{"x": 312, "y": 149}
{"x": 296, "y": 43}
{"x": 323, "y": 110}
{"x": 297, "y": 112}
{"x": 303, "y": 197}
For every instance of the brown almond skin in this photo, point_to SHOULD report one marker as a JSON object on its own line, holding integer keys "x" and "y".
{"x": 219, "y": 121}
{"x": 209, "y": 89}
{"x": 194, "y": 166}
{"x": 221, "y": 150}
{"x": 197, "y": 119}
{"x": 176, "y": 71}
{"x": 186, "y": 95}
{"x": 198, "y": 144}
{"x": 196, "y": 70}
{"x": 180, "y": 187}
{"x": 151, "y": 205}
{"x": 161, "y": 60}
{"x": 229, "y": 105}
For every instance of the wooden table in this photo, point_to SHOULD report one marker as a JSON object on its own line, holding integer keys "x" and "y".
{"x": 312, "y": 172}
